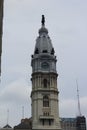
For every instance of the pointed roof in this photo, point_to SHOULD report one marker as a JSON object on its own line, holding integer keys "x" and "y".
{"x": 43, "y": 41}
{"x": 7, "y": 126}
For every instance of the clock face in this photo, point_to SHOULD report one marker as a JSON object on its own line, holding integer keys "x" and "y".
{"x": 45, "y": 65}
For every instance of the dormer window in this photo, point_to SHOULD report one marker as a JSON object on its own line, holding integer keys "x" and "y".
{"x": 44, "y": 51}
{"x": 52, "y": 51}
{"x": 36, "y": 51}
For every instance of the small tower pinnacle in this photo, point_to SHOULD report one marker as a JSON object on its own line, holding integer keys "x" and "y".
{"x": 7, "y": 116}
{"x": 43, "y": 20}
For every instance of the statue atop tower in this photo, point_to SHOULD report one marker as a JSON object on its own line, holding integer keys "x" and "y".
{"x": 43, "y": 20}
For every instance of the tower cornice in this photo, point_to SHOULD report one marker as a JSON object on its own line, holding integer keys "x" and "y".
{"x": 44, "y": 73}
{"x": 44, "y": 91}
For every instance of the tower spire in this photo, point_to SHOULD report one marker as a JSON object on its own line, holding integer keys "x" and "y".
{"x": 7, "y": 116}
{"x": 23, "y": 112}
{"x": 43, "y": 20}
{"x": 79, "y": 110}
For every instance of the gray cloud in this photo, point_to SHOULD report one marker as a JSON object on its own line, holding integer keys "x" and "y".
{"x": 13, "y": 97}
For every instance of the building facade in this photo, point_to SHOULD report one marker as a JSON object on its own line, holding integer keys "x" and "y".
{"x": 68, "y": 123}
{"x": 1, "y": 25}
{"x": 26, "y": 124}
{"x": 81, "y": 123}
{"x": 44, "y": 95}
{"x": 78, "y": 123}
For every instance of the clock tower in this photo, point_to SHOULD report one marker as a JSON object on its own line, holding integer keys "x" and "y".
{"x": 44, "y": 95}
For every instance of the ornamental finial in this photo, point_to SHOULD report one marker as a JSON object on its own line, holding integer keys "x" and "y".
{"x": 43, "y": 20}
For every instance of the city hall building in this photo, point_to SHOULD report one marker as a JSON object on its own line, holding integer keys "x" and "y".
{"x": 44, "y": 94}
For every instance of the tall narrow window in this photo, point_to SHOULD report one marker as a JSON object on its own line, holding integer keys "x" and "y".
{"x": 45, "y": 83}
{"x": 43, "y": 121}
{"x": 49, "y": 122}
{"x": 45, "y": 101}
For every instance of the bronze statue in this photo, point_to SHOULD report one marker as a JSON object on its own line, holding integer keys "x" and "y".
{"x": 43, "y": 20}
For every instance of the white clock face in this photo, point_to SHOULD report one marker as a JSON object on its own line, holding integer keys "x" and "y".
{"x": 45, "y": 65}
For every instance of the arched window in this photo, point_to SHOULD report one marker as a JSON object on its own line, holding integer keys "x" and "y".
{"x": 45, "y": 83}
{"x": 45, "y": 101}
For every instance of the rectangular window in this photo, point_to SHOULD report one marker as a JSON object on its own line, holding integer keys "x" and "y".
{"x": 43, "y": 122}
{"x": 49, "y": 122}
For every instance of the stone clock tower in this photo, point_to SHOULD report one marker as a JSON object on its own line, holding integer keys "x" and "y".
{"x": 44, "y": 95}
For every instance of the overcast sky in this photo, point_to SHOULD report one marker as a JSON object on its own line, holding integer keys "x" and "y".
{"x": 66, "y": 21}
